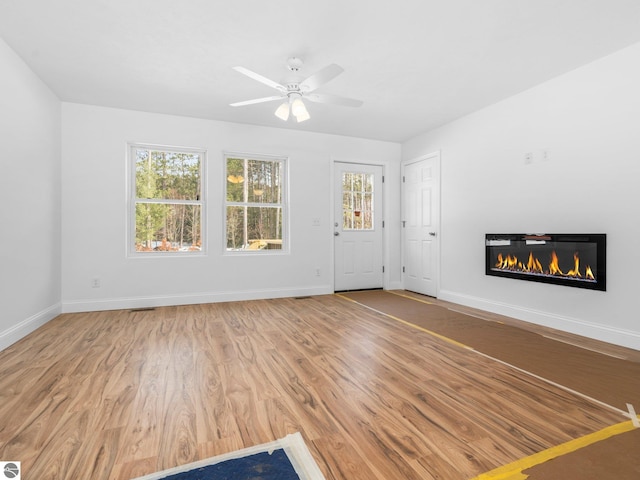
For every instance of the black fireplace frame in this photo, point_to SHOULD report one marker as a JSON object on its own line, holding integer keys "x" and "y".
{"x": 495, "y": 240}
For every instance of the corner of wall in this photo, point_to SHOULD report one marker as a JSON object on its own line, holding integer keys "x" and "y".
{"x": 28, "y": 325}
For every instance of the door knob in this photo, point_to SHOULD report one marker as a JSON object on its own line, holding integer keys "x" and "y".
{"x": 336, "y": 234}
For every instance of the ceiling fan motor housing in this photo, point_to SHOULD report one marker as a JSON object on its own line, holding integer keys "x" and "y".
{"x": 294, "y": 64}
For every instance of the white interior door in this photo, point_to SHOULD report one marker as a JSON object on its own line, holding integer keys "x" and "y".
{"x": 421, "y": 223}
{"x": 358, "y": 227}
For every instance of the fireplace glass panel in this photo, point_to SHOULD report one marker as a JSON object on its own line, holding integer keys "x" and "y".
{"x": 576, "y": 260}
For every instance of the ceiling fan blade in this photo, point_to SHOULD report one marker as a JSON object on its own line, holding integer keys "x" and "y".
{"x": 321, "y": 77}
{"x": 258, "y": 100}
{"x": 334, "y": 100}
{"x": 260, "y": 78}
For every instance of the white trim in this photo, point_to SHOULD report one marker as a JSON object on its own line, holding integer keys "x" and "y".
{"x": 605, "y": 333}
{"x": 293, "y": 445}
{"x": 632, "y": 414}
{"x": 28, "y": 325}
{"x": 190, "y": 299}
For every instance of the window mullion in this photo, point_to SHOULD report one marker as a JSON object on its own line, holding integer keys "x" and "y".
{"x": 168, "y": 202}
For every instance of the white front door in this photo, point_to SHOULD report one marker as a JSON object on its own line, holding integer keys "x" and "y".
{"x": 358, "y": 226}
{"x": 421, "y": 223}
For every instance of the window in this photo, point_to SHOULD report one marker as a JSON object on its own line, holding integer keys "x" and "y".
{"x": 167, "y": 200}
{"x": 255, "y": 204}
{"x": 357, "y": 201}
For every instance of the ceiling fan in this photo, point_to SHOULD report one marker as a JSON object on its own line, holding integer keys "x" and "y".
{"x": 296, "y": 88}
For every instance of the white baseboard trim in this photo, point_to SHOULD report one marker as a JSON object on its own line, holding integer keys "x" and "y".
{"x": 28, "y": 325}
{"x": 605, "y": 333}
{"x": 123, "y": 303}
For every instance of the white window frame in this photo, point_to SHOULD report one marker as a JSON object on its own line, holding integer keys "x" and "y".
{"x": 284, "y": 205}
{"x": 133, "y": 200}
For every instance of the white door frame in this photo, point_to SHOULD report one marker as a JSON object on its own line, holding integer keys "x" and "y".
{"x": 332, "y": 193}
{"x": 435, "y": 156}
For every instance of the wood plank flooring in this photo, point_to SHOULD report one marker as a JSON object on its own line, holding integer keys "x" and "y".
{"x": 120, "y": 394}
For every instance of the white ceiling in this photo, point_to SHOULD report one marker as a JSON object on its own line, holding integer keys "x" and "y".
{"x": 416, "y": 64}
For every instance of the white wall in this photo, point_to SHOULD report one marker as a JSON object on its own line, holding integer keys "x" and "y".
{"x": 94, "y": 205}
{"x": 29, "y": 200}
{"x": 589, "y": 122}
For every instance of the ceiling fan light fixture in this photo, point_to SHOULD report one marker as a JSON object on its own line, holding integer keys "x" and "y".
{"x": 302, "y": 116}
{"x": 283, "y": 111}
{"x": 298, "y": 108}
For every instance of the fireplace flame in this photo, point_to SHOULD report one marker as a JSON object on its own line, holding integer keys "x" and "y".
{"x": 576, "y": 267}
{"x": 589, "y": 274}
{"x": 509, "y": 263}
{"x": 554, "y": 268}
{"x": 533, "y": 265}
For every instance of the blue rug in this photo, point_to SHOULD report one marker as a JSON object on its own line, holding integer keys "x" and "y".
{"x": 284, "y": 459}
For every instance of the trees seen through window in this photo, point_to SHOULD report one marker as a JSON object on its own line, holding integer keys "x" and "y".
{"x": 254, "y": 204}
{"x": 167, "y": 199}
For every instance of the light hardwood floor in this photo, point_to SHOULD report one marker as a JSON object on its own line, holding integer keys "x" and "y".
{"x": 119, "y": 394}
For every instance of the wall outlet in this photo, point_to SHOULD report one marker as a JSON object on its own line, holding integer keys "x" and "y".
{"x": 315, "y": 222}
{"x": 528, "y": 158}
{"x": 545, "y": 155}
{"x": 95, "y": 282}
{"x": 317, "y": 272}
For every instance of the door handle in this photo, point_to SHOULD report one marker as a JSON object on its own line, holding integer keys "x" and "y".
{"x": 336, "y": 234}
{"x": 433, "y": 234}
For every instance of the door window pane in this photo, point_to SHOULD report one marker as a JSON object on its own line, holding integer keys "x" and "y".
{"x": 357, "y": 201}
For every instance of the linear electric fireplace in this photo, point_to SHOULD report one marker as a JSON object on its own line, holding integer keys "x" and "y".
{"x": 574, "y": 260}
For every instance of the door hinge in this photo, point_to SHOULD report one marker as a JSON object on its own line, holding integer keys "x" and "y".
{"x": 382, "y": 178}
{"x": 402, "y": 178}
{"x": 402, "y": 269}
{"x": 383, "y": 269}
{"x": 403, "y": 223}
{"x": 382, "y": 223}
